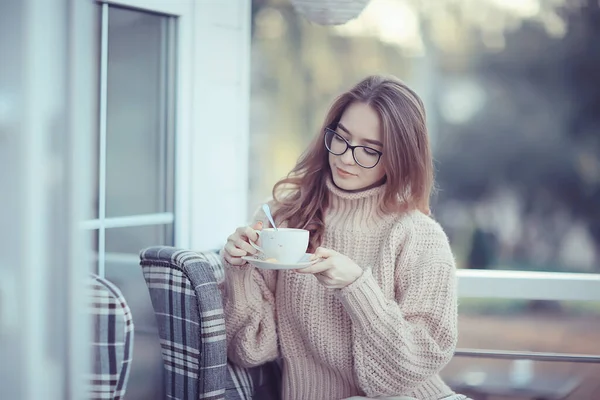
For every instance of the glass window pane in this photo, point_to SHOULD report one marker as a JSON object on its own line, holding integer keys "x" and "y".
{"x": 93, "y": 253}
{"x": 122, "y": 268}
{"x": 133, "y": 239}
{"x": 95, "y": 142}
{"x": 481, "y": 378}
{"x": 139, "y": 113}
{"x": 519, "y": 325}
{"x": 146, "y": 376}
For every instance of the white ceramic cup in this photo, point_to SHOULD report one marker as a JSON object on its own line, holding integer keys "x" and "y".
{"x": 286, "y": 245}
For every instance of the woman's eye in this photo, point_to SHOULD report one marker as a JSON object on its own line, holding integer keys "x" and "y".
{"x": 370, "y": 151}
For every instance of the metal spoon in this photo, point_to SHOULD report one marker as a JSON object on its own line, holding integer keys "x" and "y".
{"x": 267, "y": 211}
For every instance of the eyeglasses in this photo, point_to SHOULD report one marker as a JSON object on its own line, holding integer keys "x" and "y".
{"x": 364, "y": 156}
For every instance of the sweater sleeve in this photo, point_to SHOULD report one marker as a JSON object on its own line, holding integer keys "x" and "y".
{"x": 250, "y": 316}
{"x": 403, "y": 342}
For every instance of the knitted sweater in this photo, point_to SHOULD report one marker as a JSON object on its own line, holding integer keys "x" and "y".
{"x": 387, "y": 334}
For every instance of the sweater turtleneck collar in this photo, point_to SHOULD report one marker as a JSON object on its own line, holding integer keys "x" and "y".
{"x": 357, "y": 211}
{"x": 374, "y": 191}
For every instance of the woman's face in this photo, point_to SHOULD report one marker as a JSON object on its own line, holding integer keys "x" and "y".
{"x": 359, "y": 126}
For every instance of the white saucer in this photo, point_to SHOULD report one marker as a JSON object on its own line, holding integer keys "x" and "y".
{"x": 260, "y": 263}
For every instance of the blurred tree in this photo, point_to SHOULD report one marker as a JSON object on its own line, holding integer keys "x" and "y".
{"x": 298, "y": 69}
{"x": 535, "y": 129}
{"x": 540, "y": 129}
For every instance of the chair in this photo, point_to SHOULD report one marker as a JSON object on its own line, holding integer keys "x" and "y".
{"x": 112, "y": 340}
{"x": 188, "y": 306}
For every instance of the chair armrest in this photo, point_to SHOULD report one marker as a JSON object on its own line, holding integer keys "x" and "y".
{"x": 189, "y": 312}
{"x": 188, "y": 305}
{"x": 112, "y": 342}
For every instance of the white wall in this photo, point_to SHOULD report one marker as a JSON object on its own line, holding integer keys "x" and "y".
{"x": 220, "y": 108}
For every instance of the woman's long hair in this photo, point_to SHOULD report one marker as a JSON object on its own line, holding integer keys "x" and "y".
{"x": 302, "y": 197}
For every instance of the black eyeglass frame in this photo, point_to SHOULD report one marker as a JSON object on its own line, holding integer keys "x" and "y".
{"x": 349, "y": 146}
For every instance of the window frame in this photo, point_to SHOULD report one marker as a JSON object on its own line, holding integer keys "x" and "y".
{"x": 528, "y": 285}
{"x": 210, "y": 90}
{"x": 182, "y": 10}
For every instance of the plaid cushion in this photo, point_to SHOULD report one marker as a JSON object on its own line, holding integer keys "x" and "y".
{"x": 113, "y": 340}
{"x": 189, "y": 310}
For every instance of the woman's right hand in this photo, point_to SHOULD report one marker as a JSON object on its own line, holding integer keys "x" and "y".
{"x": 238, "y": 245}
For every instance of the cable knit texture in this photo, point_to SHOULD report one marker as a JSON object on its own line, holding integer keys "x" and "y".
{"x": 387, "y": 334}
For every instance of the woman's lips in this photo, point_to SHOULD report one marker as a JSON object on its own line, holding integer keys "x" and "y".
{"x": 343, "y": 174}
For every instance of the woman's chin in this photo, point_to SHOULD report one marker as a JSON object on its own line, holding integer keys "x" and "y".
{"x": 345, "y": 184}
{"x": 354, "y": 184}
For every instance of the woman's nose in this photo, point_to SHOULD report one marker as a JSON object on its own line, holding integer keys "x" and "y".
{"x": 348, "y": 158}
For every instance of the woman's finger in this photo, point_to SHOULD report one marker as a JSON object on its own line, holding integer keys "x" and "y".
{"x": 234, "y": 236}
{"x": 322, "y": 252}
{"x": 233, "y": 260}
{"x": 258, "y": 225}
{"x": 233, "y": 250}
{"x": 249, "y": 232}
{"x": 244, "y": 246}
{"x": 315, "y": 268}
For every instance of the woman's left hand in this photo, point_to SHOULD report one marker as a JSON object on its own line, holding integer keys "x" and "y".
{"x": 332, "y": 269}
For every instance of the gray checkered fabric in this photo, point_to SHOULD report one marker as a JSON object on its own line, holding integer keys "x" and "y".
{"x": 187, "y": 302}
{"x": 112, "y": 343}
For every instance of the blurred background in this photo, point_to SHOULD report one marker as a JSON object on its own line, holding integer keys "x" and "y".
{"x": 511, "y": 92}
{"x": 131, "y": 123}
{"x": 512, "y": 102}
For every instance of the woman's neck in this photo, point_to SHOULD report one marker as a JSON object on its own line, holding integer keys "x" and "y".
{"x": 371, "y": 186}
{"x": 357, "y": 210}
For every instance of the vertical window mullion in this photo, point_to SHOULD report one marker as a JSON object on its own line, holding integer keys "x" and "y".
{"x": 171, "y": 80}
{"x": 102, "y": 146}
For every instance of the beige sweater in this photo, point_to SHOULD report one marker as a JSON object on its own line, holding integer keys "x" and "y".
{"x": 387, "y": 334}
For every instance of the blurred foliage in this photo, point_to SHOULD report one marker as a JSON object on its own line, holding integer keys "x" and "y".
{"x": 541, "y": 132}
{"x": 513, "y": 110}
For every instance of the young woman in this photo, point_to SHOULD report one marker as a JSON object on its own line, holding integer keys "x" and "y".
{"x": 376, "y": 314}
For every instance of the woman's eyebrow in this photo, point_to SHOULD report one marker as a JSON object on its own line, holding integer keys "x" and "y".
{"x": 370, "y": 141}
